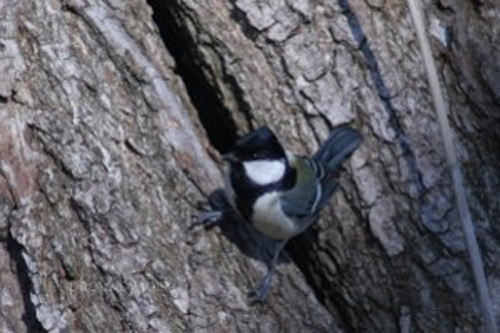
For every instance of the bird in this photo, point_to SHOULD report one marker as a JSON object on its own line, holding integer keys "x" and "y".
{"x": 278, "y": 192}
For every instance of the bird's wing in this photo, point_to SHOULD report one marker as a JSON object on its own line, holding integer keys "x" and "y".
{"x": 317, "y": 177}
{"x": 303, "y": 199}
{"x": 339, "y": 145}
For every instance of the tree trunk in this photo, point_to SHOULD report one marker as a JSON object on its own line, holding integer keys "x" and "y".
{"x": 107, "y": 135}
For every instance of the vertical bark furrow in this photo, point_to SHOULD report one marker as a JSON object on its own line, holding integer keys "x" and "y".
{"x": 214, "y": 115}
{"x": 29, "y": 318}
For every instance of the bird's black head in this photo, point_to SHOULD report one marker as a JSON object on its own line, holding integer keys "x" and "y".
{"x": 260, "y": 144}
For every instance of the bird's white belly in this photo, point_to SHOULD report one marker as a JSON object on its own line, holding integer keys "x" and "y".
{"x": 268, "y": 218}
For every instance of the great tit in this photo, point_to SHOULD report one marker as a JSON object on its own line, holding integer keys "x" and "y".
{"x": 279, "y": 193}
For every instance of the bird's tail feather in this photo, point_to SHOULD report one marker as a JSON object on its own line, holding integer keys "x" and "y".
{"x": 341, "y": 143}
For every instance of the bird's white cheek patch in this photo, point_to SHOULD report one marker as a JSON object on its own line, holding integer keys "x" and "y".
{"x": 265, "y": 172}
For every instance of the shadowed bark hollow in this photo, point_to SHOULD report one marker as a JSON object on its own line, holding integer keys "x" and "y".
{"x": 112, "y": 115}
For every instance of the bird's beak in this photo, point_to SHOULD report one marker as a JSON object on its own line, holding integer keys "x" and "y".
{"x": 230, "y": 157}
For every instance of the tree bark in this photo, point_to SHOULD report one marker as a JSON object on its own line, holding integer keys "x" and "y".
{"x": 113, "y": 114}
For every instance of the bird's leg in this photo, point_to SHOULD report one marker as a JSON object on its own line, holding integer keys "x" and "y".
{"x": 259, "y": 293}
{"x": 208, "y": 219}
{"x": 214, "y": 210}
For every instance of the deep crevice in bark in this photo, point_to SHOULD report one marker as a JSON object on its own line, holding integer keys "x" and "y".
{"x": 298, "y": 249}
{"x": 15, "y": 250}
{"x": 214, "y": 116}
{"x": 241, "y": 17}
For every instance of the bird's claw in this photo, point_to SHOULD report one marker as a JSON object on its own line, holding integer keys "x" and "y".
{"x": 260, "y": 292}
{"x": 207, "y": 219}
{"x": 213, "y": 210}
{"x": 203, "y": 206}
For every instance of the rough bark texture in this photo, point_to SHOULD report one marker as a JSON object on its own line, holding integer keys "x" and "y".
{"x": 109, "y": 115}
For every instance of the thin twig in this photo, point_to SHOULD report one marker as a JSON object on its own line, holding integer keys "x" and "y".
{"x": 454, "y": 167}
